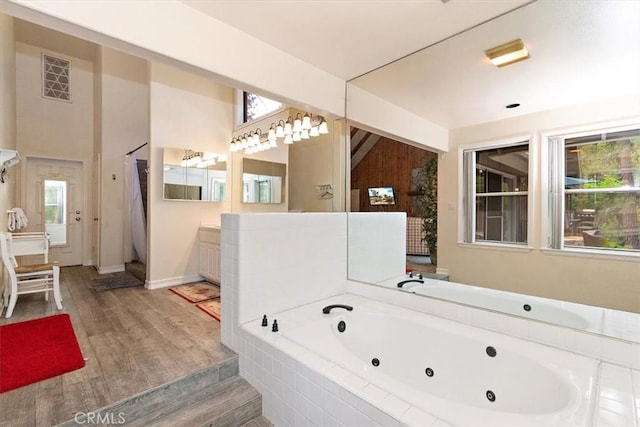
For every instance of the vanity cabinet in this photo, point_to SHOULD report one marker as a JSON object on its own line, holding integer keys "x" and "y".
{"x": 210, "y": 253}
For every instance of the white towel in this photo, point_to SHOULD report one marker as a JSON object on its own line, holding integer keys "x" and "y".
{"x": 17, "y": 219}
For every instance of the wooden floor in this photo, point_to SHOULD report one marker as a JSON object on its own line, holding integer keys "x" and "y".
{"x": 133, "y": 339}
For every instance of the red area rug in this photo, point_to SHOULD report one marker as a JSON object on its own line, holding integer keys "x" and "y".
{"x": 211, "y": 307}
{"x": 197, "y": 292}
{"x": 37, "y": 349}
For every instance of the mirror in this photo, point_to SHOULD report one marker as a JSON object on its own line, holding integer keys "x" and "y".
{"x": 194, "y": 175}
{"x": 263, "y": 182}
{"x": 566, "y": 83}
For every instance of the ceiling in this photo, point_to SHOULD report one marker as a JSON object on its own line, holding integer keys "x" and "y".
{"x": 581, "y": 51}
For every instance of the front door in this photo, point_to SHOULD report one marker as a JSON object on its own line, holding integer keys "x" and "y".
{"x": 54, "y": 203}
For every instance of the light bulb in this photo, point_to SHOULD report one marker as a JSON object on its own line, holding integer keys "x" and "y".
{"x": 323, "y": 128}
{"x": 288, "y": 139}
{"x": 306, "y": 122}
{"x": 314, "y": 131}
{"x": 304, "y": 134}
{"x": 296, "y": 137}
{"x": 280, "y": 129}
{"x": 288, "y": 129}
{"x": 297, "y": 123}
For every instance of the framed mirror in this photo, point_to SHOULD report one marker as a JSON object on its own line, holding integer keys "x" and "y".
{"x": 194, "y": 175}
{"x": 263, "y": 182}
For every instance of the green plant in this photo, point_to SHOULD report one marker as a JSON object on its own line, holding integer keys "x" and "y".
{"x": 427, "y": 205}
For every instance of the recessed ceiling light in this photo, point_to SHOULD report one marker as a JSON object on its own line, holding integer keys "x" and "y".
{"x": 515, "y": 105}
{"x": 507, "y": 53}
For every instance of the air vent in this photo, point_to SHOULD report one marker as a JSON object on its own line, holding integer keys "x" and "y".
{"x": 55, "y": 78}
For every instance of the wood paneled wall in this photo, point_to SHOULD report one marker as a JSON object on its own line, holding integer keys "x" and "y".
{"x": 389, "y": 163}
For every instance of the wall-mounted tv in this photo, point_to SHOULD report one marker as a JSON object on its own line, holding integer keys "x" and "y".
{"x": 381, "y": 196}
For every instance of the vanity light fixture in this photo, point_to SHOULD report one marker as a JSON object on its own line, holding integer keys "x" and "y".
{"x": 290, "y": 131}
{"x": 508, "y": 53}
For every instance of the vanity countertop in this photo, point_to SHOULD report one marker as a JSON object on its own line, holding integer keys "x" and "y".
{"x": 209, "y": 234}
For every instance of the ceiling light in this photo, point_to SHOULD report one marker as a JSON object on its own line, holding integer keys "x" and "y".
{"x": 507, "y": 53}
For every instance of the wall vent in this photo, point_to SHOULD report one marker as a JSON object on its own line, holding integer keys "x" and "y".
{"x": 55, "y": 78}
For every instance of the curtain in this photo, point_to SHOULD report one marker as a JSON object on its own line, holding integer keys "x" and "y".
{"x": 138, "y": 222}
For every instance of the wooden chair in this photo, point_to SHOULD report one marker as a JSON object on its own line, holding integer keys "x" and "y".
{"x": 28, "y": 279}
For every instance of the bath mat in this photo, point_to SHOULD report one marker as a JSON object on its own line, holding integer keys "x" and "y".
{"x": 122, "y": 279}
{"x": 211, "y": 307}
{"x": 197, "y": 292}
{"x": 37, "y": 349}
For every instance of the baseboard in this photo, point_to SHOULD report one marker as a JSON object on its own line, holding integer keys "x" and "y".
{"x": 111, "y": 269}
{"x": 442, "y": 271}
{"x": 172, "y": 281}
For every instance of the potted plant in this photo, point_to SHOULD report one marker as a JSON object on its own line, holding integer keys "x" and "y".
{"x": 427, "y": 204}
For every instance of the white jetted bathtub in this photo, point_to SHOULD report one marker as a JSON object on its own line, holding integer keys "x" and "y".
{"x": 568, "y": 314}
{"x": 463, "y": 375}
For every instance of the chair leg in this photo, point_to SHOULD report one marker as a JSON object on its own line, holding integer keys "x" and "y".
{"x": 56, "y": 287}
{"x": 12, "y": 303}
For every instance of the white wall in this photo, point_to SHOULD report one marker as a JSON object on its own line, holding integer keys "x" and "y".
{"x": 7, "y": 108}
{"x": 123, "y": 125}
{"x": 186, "y": 111}
{"x": 585, "y": 279}
{"x": 276, "y": 261}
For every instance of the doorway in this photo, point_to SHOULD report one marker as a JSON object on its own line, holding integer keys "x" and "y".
{"x": 54, "y": 203}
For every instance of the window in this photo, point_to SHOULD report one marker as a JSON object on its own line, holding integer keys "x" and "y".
{"x": 496, "y": 185}
{"x": 596, "y": 183}
{"x": 55, "y": 211}
{"x": 255, "y": 106}
{"x": 55, "y": 78}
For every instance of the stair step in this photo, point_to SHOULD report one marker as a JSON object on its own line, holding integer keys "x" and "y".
{"x": 212, "y": 397}
{"x": 227, "y": 404}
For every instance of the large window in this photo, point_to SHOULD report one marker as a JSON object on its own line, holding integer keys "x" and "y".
{"x": 255, "y": 106}
{"x": 597, "y": 194}
{"x": 496, "y": 194}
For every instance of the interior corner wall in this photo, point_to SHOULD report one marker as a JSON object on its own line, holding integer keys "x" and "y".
{"x": 310, "y": 164}
{"x": 7, "y": 107}
{"x": 124, "y": 125}
{"x": 581, "y": 279}
{"x": 186, "y": 111}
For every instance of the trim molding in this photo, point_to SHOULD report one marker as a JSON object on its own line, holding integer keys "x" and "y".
{"x": 111, "y": 269}
{"x": 172, "y": 281}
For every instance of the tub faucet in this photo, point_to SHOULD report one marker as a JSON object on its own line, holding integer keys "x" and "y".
{"x": 328, "y": 308}
{"x": 401, "y": 284}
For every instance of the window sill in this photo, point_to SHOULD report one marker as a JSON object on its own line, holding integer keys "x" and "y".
{"x": 496, "y": 246}
{"x": 594, "y": 254}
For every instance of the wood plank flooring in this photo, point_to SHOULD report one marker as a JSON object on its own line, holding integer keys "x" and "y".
{"x": 133, "y": 339}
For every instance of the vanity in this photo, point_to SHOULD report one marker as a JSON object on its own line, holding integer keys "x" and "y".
{"x": 209, "y": 247}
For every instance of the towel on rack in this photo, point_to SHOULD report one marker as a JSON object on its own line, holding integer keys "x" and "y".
{"x": 17, "y": 219}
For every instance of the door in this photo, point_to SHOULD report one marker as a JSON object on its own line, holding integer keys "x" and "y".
{"x": 54, "y": 203}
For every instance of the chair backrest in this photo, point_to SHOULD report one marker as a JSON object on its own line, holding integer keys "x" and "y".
{"x": 30, "y": 243}
{"x": 8, "y": 259}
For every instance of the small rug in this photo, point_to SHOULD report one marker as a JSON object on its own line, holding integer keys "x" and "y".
{"x": 197, "y": 292}
{"x": 37, "y": 349}
{"x": 211, "y": 307}
{"x": 122, "y": 279}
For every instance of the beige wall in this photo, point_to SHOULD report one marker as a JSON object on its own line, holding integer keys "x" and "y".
{"x": 55, "y": 129}
{"x": 123, "y": 125}
{"x": 186, "y": 111}
{"x": 593, "y": 280}
{"x": 7, "y": 108}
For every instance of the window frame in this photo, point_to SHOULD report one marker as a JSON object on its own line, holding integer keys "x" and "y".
{"x": 466, "y": 214}
{"x": 554, "y": 193}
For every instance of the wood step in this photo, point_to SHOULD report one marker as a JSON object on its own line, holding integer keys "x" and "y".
{"x": 215, "y": 396}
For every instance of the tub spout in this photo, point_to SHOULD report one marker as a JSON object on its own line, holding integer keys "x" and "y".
{"x": 328, "y": 308}
{"x": 401, "y": 284}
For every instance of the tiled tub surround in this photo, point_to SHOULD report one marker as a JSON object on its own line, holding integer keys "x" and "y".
{"x": 302, "y": 388}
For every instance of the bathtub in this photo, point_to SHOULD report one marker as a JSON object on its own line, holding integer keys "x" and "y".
{"x": 576, "y": 316}
{"x": 455, "y": 372}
